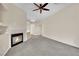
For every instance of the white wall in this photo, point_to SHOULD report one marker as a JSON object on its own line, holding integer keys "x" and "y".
{"x": 28, "y": 26}
{"x": 15, "y": 19}
{"x": 35, "y": 29}
{"x": 63, "y": 26}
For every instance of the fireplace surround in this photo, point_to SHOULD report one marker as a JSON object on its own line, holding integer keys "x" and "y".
{"x": 16, "y": 39}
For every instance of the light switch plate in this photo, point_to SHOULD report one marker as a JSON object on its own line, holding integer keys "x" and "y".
{"x": 3, "y": 29}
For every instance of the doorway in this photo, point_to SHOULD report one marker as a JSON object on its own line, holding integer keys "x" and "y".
{"x": 33, "y": 29}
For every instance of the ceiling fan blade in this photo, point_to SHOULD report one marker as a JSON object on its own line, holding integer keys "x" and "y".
{"x": 44, "y": 5}
{"x": 45, "y": 9}
{"x": 36, "y": 4}
{"x": 40, "y": 11}
{"x": 35, "y": 9}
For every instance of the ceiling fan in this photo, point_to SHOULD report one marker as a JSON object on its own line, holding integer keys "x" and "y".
{"x": 41, "y": 7}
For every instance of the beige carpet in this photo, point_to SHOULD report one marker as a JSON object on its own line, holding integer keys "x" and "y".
{"x": 41, "y": 46}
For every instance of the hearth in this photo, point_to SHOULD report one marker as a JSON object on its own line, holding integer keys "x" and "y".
{"x": 16, "y": 39}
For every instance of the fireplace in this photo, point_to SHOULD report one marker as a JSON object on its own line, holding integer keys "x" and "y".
{"x": 16, "y": 39}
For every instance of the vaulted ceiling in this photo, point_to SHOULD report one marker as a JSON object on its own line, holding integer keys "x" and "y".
{"x": 35, "y": 15}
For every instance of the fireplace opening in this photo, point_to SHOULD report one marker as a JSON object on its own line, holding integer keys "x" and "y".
{"x": 16, "y": 39}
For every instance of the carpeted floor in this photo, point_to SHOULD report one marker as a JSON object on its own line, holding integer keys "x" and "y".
{"x": 41, "y": 46}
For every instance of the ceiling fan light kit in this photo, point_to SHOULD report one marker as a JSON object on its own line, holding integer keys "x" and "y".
{"x": 41, "y": 7}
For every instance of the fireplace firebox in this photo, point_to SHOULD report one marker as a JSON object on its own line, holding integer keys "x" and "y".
{"x": 16, "y": 39}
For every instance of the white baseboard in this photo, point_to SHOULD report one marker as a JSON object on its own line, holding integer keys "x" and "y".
{"x": 6, "y": 51}
{"x": 61, "y": 42}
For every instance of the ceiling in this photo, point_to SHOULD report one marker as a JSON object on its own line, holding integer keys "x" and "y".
{"x": 35, "y": 15}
